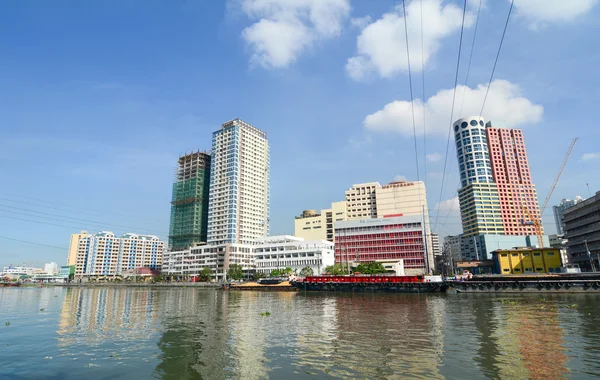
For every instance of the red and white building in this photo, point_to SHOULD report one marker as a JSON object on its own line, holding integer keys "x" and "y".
{"x": 383, "y": 239}
{"x": 510, "y": 168}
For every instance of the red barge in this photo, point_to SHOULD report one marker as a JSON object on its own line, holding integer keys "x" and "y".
{"x": 366, "y": 283}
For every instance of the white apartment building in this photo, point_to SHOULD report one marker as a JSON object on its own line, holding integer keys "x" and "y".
{"x": 312, "y": 225}
{"x": 218, "y": 258}
{"x": 51, "y": 269}
{"x": 361, "y": 202}
{"x": 435, "y": 244}
{"x": 104, "y": 254}
{"x": 263, "y": 256}
{"x": 238, "y": 210}
{"x": 279, "y": 252}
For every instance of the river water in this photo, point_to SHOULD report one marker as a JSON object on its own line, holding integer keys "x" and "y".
{"x": 193, "y": 333}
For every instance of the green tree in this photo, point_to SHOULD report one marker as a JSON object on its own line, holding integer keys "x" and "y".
{"x": 205, "y": 274}
{"x": 287, "y": 271}
{"x": 306, "y": 271}
{"x": 275, "y": 273}
{"x": 235, "y": 272}
{"x": 336, "y": 270}
{"x": 257, "y": 276}
{"x": 370, "y": 268}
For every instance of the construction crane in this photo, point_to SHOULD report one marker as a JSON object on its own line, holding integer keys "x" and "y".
{"x": 538, "y": 222}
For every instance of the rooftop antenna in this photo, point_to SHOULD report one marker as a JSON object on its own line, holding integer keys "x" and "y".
{"x": 588, "y": 187}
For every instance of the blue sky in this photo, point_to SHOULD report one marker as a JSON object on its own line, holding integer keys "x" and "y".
{"x": 99, "y": 98}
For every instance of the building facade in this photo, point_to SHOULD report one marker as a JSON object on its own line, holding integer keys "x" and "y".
{"x": 393, "y": 238}
{"x": 435, "y": 245}
{"x": 480, "y": 247}
{"x": 480, "y": 209}
{"x": 559, "y": 211}
{"x": 189, "y": 203}
{"x": 496, "y": 185}
{"x": 51, "y": 268}
{"x": 312, "y": 225}
{"x": 262, "y": 256}
{"x": 279, "y": 252}
{"x": 582, "y": 231}
{"x": 527, "y": 261}
{"x": 366, "y": 201}
{"x": 516, "y": 191}
{"x": 73, "y": 247}
{"x": 238, "y": 210}
{"x": 104, "y": 254}
{"x": 218, "y": 258}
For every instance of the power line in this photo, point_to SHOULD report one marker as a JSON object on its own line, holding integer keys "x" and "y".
{"x": 412, "y": 103}
{"x": 78, "y": 220}
{"x": 34, "y": 243}
{"x": 81, "y": 210}
{"x": 497, "y": 56}
{"x": 462, "y": 28}
{"x": 470, "y": 58}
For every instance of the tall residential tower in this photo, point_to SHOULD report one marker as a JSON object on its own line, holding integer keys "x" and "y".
{"x": 516, "y": 191}
{"x": 238, "y": 210}
{"x": 478, "y": 195}
{"x": 189, "y": 205}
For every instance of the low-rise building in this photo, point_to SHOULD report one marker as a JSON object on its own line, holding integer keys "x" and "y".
{"x": 393, "y": 238}
{"x": 582, "y": 230}
{"x": 527, "y": 261}
{"x": 218, "y": 258}
{"x": 278, "y": 252}
{"x": 104, "y": 254}
{"x": 480, "y": 247}
{"x": 263, "y": 256}
{"x": 559, "y": 242}
{"x": 14, "y": 272}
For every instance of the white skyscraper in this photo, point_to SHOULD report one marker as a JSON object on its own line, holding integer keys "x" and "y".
{"x": 238, "y": 210}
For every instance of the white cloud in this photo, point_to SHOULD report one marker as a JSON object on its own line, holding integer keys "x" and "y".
{"x": 545, "y": 11}
{"x": 504, "y": 106}
{"x": 287, "y": 28}
{"x": 381, "y": 46}
{"x": 451, "y": 204}
{"x": 590, "y": 156}
{"x": 399, "y": 178}
{"x": 361, "y": 22}
{"x": 433, "y": 157}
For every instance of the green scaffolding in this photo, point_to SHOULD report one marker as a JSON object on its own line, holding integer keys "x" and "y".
{"x": 189, "y": 211}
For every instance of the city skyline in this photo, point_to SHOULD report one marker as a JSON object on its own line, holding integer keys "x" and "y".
{"x": 93, "y": 146}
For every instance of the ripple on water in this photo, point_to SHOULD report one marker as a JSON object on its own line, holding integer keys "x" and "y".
{"x": 188, "y": 333}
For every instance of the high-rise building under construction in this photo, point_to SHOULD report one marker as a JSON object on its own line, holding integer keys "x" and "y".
{"x": 189, "y": 205}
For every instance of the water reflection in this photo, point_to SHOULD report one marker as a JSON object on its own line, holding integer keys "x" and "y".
{"x": 212, "y": 334}
{"x": 96, "y": 315}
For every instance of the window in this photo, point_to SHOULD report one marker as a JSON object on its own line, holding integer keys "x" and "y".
{"x": 506, "y": 270}
{"x": 464, "y": 124}
{"x": 539, "y": 269}
{"x": 536, "y": 253}
{"x": 473, "y": 123}
{"x": 504, "y": 255}
{"x": 515, "y": 255}
{"x": 517, "y": 269}
{"x": 550, "y": 253}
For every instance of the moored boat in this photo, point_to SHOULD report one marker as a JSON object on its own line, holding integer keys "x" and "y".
{"x": 369, "y": 283}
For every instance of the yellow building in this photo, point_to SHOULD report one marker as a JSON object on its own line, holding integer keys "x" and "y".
{"x": 527, "y": 260}
{"x": 312, "y": 225}
{"x": 72, "y": 255}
